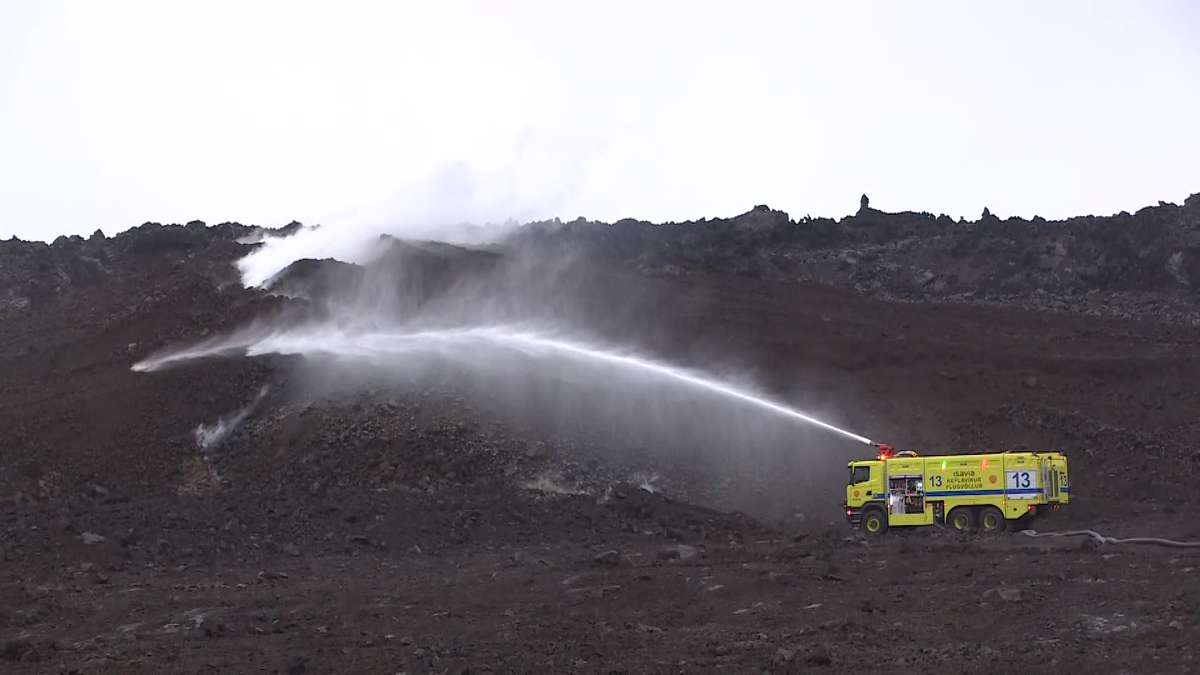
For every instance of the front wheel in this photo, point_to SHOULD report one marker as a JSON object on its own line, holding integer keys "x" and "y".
{"x": 875, "y": 522}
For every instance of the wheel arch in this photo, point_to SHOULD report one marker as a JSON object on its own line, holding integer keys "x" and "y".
{"x": 874, "y": 510}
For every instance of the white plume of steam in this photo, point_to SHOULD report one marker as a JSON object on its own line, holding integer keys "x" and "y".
{"x": 461, "y": 204}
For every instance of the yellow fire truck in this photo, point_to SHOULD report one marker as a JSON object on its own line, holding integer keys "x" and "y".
{"x": 984, "y": 491}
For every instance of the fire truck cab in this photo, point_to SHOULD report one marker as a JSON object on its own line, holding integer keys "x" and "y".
{"x": 985, "y": 491}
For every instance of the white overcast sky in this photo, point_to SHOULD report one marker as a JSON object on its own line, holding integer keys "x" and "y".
{"x": 354, "y": 113}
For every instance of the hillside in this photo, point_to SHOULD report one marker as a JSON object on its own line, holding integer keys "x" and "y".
{"x": 324, "y": 491}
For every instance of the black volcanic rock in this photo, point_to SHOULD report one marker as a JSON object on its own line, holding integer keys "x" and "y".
{"x": 34, "y": 274}
{"x": 153, "y": 238}
{"x": 1144, "y": 263}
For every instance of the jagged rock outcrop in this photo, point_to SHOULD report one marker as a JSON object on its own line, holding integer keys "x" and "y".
{"x": 1145, "y": 264}
{"x": 35, "y": 274}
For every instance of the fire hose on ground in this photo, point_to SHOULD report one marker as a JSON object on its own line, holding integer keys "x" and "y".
{"x": 1113, "y": 540}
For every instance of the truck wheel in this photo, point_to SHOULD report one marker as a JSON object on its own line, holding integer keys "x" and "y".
{"x": 961, "y": 519}
{"x": 991, "y": 520}
{"x": 874, "y": 521}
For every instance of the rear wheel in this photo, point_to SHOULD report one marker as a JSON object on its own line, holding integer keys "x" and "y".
{"x": 991, "y": 520}
{"x": 961, "y": 519}
{"x": 875, "y": 522}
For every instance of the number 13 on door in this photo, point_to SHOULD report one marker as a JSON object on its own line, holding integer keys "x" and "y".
{"x": 1021, "y": 484}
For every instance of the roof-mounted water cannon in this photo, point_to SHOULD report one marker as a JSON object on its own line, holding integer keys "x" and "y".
{"x": 888, "y": 452}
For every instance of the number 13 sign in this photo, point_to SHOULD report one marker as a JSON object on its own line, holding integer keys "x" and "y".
{"x": 1021, "y": 484}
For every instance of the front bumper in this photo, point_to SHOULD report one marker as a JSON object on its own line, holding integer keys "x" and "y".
{"x": 853, "y": 516}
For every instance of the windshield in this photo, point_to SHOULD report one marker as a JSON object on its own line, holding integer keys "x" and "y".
{"x": 859, "y": 474}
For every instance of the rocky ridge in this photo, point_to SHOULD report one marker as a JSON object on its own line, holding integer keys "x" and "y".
{"x": 1140, "y": 265}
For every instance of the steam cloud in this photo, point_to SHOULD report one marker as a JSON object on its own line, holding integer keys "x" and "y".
{"x": 356, "y": 245}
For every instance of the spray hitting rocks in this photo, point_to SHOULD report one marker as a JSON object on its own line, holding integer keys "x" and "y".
{"x": 210, "y": 436}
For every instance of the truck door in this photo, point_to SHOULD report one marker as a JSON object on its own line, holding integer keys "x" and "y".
{"x": 1054, "y": 470}
{"x": 1064, "y": 489}
{"x": 1050, "y": 480}
{"x": 906, "y": 500}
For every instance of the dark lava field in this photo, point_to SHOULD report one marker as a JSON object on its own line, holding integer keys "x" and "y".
{"x": 450, "y": 506}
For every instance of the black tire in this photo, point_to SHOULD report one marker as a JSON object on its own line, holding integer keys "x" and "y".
{"x": 875, "y": 521}
{"x": 991, "y": 520}
{"x": 961, "y": 519}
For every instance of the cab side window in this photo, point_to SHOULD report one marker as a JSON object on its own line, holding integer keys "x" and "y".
{"x": 862, "y": 474}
